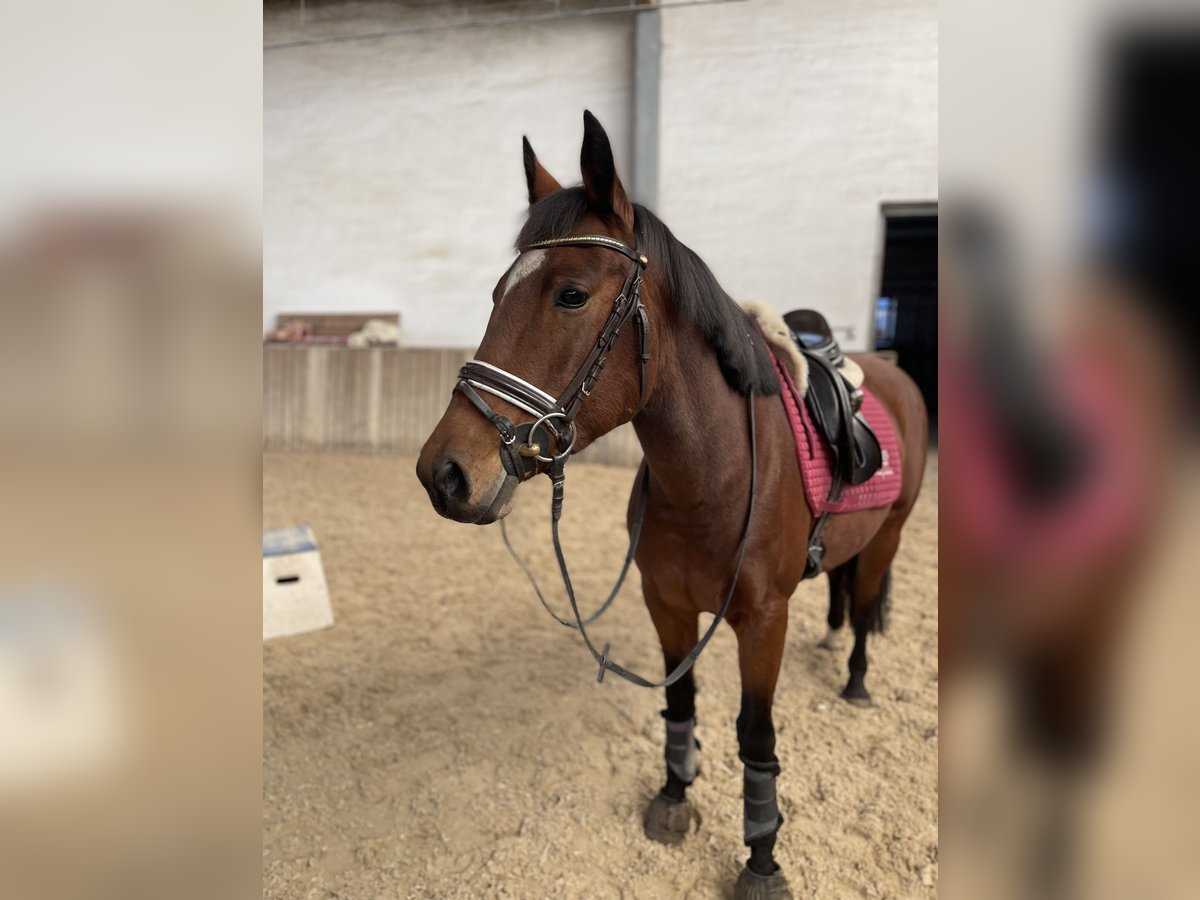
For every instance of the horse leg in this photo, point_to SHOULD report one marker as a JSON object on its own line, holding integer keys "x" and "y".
{"x": 841, "y": 580}
{"x": 669, "y": 815}
{"x": 870, "y": 597}
{"x": 760, "y": 652}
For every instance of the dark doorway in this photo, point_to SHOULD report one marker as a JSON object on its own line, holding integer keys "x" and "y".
{"x": 906, "y": 311}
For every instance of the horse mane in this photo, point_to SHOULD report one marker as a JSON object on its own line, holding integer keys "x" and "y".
{"x": 698, "y": 297}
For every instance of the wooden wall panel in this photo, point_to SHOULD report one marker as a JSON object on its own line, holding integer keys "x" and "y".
{"x": 376, "y": 400}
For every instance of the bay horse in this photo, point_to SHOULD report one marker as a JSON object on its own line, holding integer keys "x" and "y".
{"x": 720, "y": 506}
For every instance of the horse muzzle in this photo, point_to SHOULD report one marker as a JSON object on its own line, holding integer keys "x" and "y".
{"x": 458, "y": 490}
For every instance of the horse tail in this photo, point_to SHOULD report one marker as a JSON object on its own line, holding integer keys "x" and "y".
{"x": 882, "y": 606}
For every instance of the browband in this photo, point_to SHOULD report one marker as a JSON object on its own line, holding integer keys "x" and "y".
{"x": 589, "y": 240}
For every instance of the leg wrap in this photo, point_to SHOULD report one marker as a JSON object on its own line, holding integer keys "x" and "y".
{"x": 762, "y": 817}
{"x": 681, "y": 750}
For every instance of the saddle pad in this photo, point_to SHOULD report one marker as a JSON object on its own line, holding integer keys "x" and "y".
{"x": 816, "y": 460}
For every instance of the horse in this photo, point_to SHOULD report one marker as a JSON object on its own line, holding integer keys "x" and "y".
{"x": 719, "y": 507}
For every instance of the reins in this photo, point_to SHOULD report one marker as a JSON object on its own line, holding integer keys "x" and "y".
{"x": 639, "y": 516}
{"x": 522, "y": 456}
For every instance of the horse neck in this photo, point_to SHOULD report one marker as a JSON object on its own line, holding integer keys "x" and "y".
{"x": 690, "y": 419}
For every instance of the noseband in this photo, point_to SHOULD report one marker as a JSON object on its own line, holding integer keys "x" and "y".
{"x": 521, "y": 448}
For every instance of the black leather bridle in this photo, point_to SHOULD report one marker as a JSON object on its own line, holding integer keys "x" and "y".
{"x": 521, "y": 447}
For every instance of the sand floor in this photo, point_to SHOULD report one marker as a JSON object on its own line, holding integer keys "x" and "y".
{"x": 447, "y": 739}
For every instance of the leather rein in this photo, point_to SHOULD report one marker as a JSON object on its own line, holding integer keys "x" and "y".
{"x": 523, "y": 454}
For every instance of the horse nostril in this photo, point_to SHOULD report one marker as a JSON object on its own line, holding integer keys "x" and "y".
{"x": 451, "y": 481}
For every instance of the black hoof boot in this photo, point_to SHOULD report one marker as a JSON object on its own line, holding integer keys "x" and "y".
{"x": 667, "y": 821}
{"x": 856, "y": 692}
{"x": 752, "y": 886}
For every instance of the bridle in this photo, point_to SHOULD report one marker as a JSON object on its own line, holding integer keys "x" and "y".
{"x": 521, "y": 447}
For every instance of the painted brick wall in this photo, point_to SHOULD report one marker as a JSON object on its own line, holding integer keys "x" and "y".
{"x": 393, "y": 174}
{"x": 785, "y": 125}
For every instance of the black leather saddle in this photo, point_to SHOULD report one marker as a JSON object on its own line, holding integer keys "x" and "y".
{"x": 834, "y": 403}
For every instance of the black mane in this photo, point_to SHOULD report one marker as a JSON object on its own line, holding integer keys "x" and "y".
{"x": 743, "y": 358}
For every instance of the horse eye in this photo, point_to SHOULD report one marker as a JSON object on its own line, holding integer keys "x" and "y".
{"x": 570, "y": 297}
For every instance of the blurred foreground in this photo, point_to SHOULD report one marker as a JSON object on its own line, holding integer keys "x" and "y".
{"x": 129, "y": 477}
{"x": 1071, "y": 754}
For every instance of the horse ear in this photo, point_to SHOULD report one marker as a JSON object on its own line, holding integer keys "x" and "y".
{"x": 605, "y": 194}
{"x": 539, "y": 181}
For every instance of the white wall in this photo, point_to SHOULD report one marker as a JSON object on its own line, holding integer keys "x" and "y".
{"x": 393, "y": 167}
{"x": 393, "y": 170}
{"x": 785, "y": 125}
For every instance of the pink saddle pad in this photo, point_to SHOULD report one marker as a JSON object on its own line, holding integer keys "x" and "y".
{"x": 816, "y": 460}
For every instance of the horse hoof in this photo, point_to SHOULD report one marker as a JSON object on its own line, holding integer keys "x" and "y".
{"x": 857, "y": 695}
{"x": 831, "y": 641}
{"x": 667, "y": 821}
{"x": 752, "y": 886}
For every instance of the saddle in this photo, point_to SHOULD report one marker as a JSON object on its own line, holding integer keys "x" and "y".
{"x": 835, "y": 405}
{"x": 834, "y": 402}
